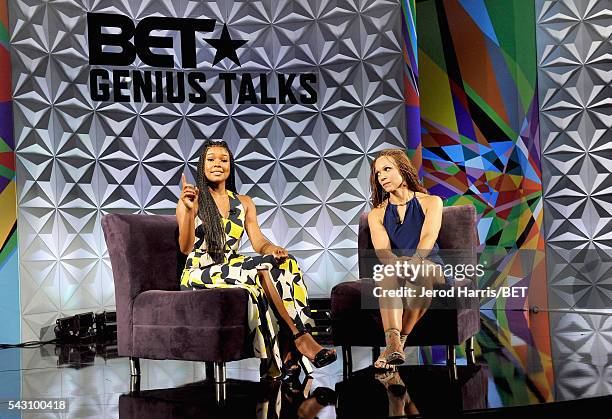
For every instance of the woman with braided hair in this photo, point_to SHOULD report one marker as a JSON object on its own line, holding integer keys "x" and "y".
{"x": 212, "y": 218}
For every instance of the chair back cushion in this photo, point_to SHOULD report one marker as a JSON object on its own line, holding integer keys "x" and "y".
{"x": 144, "y": 255}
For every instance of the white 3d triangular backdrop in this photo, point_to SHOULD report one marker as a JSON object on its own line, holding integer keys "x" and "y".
{"x": 306, "y": 166}
{"x": 575, "y": 87}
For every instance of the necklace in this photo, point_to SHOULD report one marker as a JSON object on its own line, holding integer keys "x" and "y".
{"x": 401, "y": 205}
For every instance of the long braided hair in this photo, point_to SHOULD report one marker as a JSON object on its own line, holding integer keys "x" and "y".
{"x": 212, "y": 227}
{"x": 405, "y": 167}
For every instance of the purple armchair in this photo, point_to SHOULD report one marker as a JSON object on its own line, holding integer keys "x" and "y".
{"x": 446, "y": 323}
{"x": 157, "y": 321}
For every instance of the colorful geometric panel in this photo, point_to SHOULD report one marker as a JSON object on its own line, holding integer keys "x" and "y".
{"x": 9, "y": 280}
{"x": 480, "y": 146}
{"x": 518, "y": 353}
{"x": 479, "y": 125}
{"x": 411, "y": 77}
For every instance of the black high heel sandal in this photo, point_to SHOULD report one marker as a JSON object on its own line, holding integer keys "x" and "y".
{"x": 294, "y": 397}
{"x": 325, "y": 396}
{"x": 290, "y": 370}
{"x": 322, "y": 358}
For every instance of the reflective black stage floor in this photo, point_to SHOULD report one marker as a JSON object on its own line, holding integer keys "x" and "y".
{"x": 527, "y": 364}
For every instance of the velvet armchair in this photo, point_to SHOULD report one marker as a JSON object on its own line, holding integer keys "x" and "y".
{"x": 155, "y": 320}
{"x": 447, "y": 323}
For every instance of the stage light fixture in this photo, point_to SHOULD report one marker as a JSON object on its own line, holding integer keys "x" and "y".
{"x": 106, "y": 326}
{"x": 75, "y": 328}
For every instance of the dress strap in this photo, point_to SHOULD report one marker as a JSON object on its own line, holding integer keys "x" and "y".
{"x": 235, "y": 207}
{"x": 234, "y": 201}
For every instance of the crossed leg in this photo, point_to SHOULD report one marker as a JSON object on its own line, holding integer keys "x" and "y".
{"x": 305, "y": 344}
{"x": 399, "y": 319}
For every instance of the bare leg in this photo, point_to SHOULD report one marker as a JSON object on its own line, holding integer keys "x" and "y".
{"x": 391, "y": 311}
{"x": 273, "y": 297}
{"x": 391, "y": 318}
{"x": 390, "y": 307}
{"x": 416, "y": 307}
{"x": 306, "y": 343}
{"x": 410, "y": 319}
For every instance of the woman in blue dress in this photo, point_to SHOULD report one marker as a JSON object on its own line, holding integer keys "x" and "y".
{"x": 404, "y": 225}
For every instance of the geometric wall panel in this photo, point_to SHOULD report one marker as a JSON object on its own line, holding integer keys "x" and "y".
{"x": 9, "y": 277}
{"x": 574, "y": 85}
{"x": 574, "y": 48}
{"x": 306, "y": 166}
{"x": 581, "y": 345}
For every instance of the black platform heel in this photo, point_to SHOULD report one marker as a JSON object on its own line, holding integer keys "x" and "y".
{"x": 291, "y": 369}
{"x": 322, "y": 358}
{"x": 325, "y": 396}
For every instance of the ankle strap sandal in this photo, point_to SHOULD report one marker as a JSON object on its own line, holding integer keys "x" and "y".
{"x": 323, "y": 357}
{"x": 394, "y": 357}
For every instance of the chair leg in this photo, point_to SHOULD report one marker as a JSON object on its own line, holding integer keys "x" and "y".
{"x": 134, "y": 366}
{"x": 220, "y": 393}
{"x": 469, "y": 351}
{"x": 134, "y": 383}
{"x": 375, "y": 354}
{"x": 452, "y": 371}
{"x": 219, "y": 372}
{"x": 451, "y": 358}
{"x": 347, "y": 362}
{"x": 219, "y": 377}
{"x": 209, "y": 370}
{"x": 451, "y": 362}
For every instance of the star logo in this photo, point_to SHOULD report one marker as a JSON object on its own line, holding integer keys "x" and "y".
{"x": 226, "y": 46}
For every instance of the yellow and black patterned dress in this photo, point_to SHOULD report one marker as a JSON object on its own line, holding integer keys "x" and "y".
{"x": 241, "y": 271}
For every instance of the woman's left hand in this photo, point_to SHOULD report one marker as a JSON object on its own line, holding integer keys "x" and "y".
{"x": 278, "y": 252}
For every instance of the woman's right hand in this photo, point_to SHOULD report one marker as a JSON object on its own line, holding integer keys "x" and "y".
{"x": 189, "y": 196}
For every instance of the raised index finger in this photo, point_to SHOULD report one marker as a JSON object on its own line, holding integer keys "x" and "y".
{"x": 183, "y": 179}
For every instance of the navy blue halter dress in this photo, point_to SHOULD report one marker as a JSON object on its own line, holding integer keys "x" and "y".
{"x": 405, "y": 235}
